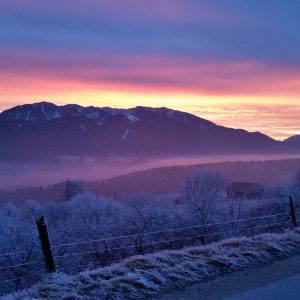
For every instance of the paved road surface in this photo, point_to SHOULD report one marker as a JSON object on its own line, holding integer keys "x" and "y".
{"x": 277, "y": 281}
{"x": 285, "y": 289}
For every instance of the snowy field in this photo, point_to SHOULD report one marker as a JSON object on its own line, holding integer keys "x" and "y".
{"x": 144, "y": 277}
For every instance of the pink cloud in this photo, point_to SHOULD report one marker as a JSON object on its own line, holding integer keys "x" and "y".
{"x": 147, "y": 72}
{"x": 278, "y": 121}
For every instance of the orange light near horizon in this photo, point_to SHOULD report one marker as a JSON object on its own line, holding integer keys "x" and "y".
{"x": 213, "y": 108}
{"x": 250, "y": 111}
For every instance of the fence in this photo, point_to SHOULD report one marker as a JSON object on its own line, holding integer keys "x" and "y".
{"x": 28, "y": 266}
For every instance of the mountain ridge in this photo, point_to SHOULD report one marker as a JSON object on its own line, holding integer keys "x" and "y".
{"x": 293, "y": 139}
{"x": 45, "y": 130}
{"x": 45, "y": 111}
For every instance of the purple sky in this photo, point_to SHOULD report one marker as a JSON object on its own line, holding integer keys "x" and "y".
{"x": 216, "y": 58}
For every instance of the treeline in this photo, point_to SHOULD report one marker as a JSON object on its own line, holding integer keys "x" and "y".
{"x": 165, "y": 180}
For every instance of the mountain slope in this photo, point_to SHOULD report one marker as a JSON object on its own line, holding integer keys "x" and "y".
{"x": 44, "y": 130}
{"x": 293, "y": 139}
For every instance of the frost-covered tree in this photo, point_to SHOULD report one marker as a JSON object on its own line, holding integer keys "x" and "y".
{"x": 147, "y": 214}
{"x": 295, "y": 185}
{"x": 201, "y": 191}
{"x": 293, "y": 190}
{"x": 18, "y": 246}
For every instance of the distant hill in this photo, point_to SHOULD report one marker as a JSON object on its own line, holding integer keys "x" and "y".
{"x": 166, "y": 180}
{"x": 293, "y": 139}
{"x": 44, "y": 130}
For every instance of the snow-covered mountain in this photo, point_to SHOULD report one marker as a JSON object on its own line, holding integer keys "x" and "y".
{"x": 44, "y": 130}
{"x": 44, "y": 112}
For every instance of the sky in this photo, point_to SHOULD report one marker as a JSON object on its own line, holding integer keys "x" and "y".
{"x": 234, "y": 62}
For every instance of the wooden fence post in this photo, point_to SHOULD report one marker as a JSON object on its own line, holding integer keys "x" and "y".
{"x": 46, "y": 246}
{"x": 292, "y": 211}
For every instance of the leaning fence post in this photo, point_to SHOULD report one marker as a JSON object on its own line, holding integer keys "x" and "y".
{"x": 292, "y": 210}
{"x": 46, "y": 246}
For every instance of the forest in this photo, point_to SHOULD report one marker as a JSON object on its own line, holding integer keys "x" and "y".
{"x": 273, "y": 174}
{"x": 88, "y": 231}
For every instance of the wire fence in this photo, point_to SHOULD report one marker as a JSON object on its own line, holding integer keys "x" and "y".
{"x": 169, "y": 230}
{"x": 173, "y": 240}
{"x": 165, "y": 242}
{"x": 106, "y": 251}
{"x": 20, "y": 269}
{"x": 74, "y": 257}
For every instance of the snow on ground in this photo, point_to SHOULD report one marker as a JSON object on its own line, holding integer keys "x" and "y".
{"x": 237, "y": 285}
{"x": 143, "y": 277}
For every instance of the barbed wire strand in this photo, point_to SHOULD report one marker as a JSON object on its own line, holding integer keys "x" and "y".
{"x": 119, "y": 260}
{"x": 18, "y": 278}
{"x": 19, "y": 252}
{"x": 100, "y": 265}
{"x": 164, "y": 231}
{"x": 20, "y": 265}
{"x": 167, "y": 241}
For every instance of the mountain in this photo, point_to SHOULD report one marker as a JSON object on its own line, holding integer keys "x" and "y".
{"x": 293, "y": 139}
{"x": 44, "y": 130}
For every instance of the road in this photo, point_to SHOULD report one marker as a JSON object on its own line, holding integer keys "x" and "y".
{"x": 279, "y": 280}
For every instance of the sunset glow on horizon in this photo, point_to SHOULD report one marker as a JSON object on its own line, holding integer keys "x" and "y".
{"x": 236, "y": 63}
